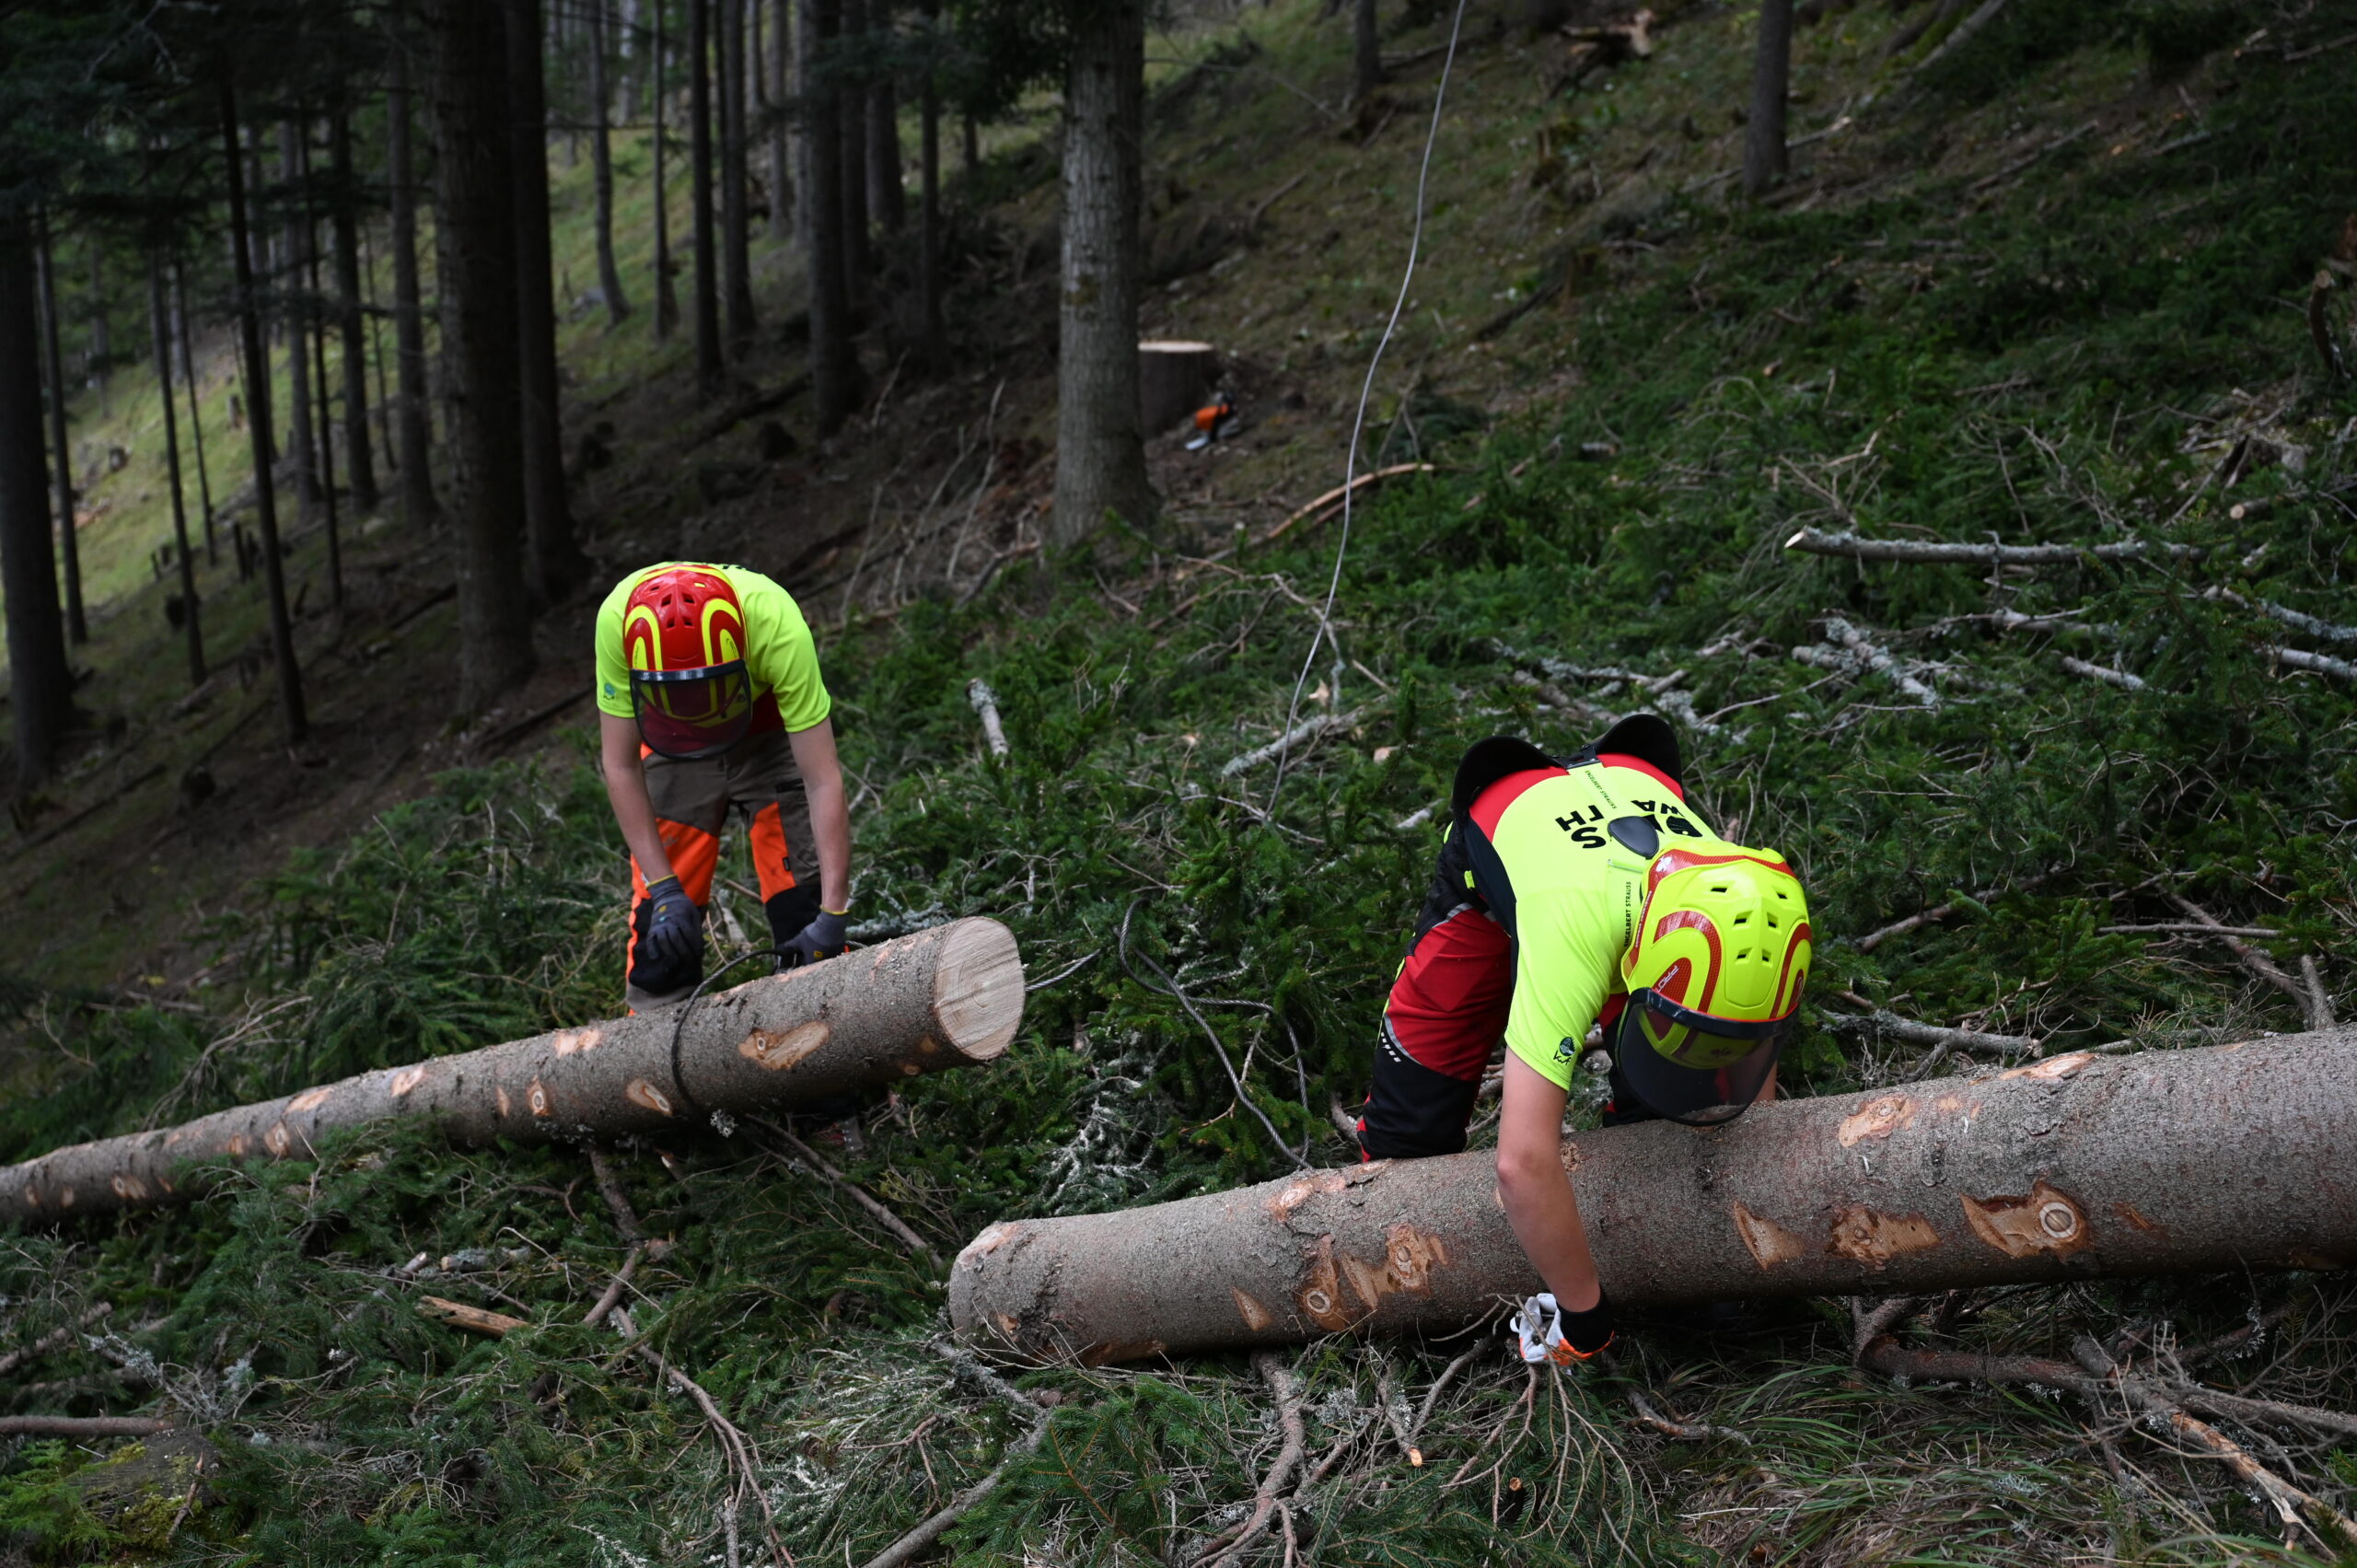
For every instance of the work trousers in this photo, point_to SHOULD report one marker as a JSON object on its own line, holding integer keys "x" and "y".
{"x": 1444, "y": 1021}
{"x": 692, "y": 800}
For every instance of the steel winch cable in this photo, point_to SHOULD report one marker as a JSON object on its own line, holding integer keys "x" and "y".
{"x": 1325, "y": 632}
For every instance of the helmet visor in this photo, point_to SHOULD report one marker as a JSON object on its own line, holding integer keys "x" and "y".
{"x": 693, "y": 714}
{"x": 1695, "y": 1067}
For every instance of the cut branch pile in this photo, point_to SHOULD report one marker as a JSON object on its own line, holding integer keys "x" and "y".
{"x": 951, "y": 996}
{"x": 2073, "y": 1168}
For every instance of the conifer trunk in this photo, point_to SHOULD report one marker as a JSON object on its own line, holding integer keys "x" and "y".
{"x": 69, "y": 543}
{"x": 475, "y": 209}
{"x": 851, "y": 104}
{"x": 1100, "y": 454}
{"x": 601, "y": 160}
{"x": 160, "y": 321}
{"x": 553, "y": 562}
{"x": 357, "y": 461}
{"x": 784, "y": 187}
{"x": 1764, "y": 152}
{"x": 295, "y": 313}
{"x": 936, "y": 345}
{"x": 710, "y": 375}
{"x": 886, "y": 200}
{"x": 2076, "y": 1168}
{"x": 41, "y": 681}
{"x": 181, "y": 308}
{"x": 834, "y": 363}
{"x": 666, "y": 293}
{"x": 1366, "y": 49}
{"x": 413, "y": 426}
{"x": 296, "y": 722}
{"x": 735, "y": 223}
{"x": 948, "y": 997}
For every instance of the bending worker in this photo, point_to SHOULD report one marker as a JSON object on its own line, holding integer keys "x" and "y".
{"x": 708, "y": 698}
{"x": 1570, "y": 895}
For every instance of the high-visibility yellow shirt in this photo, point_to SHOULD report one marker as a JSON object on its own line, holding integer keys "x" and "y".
{"x": 1568, "y": 887}
{"x": 780, "y": 655}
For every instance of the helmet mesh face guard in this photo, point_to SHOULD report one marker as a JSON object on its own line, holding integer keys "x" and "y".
{"x": 1714, "y": 978}
{"x": 683, "y": 636}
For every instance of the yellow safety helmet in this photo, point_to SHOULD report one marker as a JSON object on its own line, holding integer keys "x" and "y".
{"x": 1714, "y": 976}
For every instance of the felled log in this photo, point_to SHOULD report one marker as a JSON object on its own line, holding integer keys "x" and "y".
{"x": 2074, "y": 1167}
{"x": 1173, "y": 380}
{"x": 950, "y": 996}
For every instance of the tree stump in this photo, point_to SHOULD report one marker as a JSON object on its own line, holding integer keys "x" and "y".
{"x": 1174, "y": 378}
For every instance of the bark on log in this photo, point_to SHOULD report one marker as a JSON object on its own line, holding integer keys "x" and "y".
{"x": 2073, "y": 1167}
{"x": 1173, "y": 379}
{"x": 950, "y": 996}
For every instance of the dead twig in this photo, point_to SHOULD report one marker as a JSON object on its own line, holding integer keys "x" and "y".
{"x": 985, "y": 704}
{"x": 474, "y": 1320}
{"x": 1307, "y": 730}
{"x": 2317, "y": 1011}
{"x": 1333, "y": 498}
{"x": 2104, "y": 673}
{"x": 1287, "y": 1393}
{"x": 1881, "y": 1020}
{"x": 901, "y": 1231}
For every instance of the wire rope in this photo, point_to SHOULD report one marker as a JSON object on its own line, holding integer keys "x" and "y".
{"x": 1325, "y": 633}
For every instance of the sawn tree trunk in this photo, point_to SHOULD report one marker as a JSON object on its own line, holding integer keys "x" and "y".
{"x": 948, "y": 997}
{"x": 2078, "y": 1166}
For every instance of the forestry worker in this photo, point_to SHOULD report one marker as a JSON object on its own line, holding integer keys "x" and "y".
{"x": 708, "y": 698}
{"x": 1571, "y": 894}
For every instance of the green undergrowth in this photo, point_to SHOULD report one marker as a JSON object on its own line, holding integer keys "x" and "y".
{"x": 2074, "y": 362}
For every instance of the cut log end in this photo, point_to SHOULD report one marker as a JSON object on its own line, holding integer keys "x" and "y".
{"x": 978, "y": 989}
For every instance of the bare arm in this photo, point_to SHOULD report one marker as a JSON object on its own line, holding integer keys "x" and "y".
{"x": 822, "y": 778}
{"x": 1538, "y": 1195}
{"x": 626, "y": 791}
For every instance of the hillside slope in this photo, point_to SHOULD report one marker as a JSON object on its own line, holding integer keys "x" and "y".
{"x": 2052, "y": 293}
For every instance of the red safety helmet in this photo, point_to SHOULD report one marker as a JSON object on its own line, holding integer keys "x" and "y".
{"x": 684, "y": 639}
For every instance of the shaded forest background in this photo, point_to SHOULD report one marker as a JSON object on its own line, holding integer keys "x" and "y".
{"x": 2067, "y": 279}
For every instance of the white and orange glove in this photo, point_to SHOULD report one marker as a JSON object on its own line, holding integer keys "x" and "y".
{"x": 1544, "y": 1331}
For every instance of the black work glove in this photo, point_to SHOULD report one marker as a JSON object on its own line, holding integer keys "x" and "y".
{"x": 822, "y": 939}
{"x": 674, "y": 925}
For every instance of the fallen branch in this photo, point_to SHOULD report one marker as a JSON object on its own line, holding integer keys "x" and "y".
{"x": 1958, "y": 36}
{"x": 1861, "y": 648}
{"x": 2110, "y": 677}
{"x": 1684, "y": 1431}
{"x": 1932, "y": 916}
{"x": 615, "y": 1287}
{"x": 537, "y": 716}
{"x": 2187, "y": 927}
{"x": 2299, "y": 620}
{"x": 1333, "y": 498}
{"x": 2296, "y": 1507}
{"x": 1943, "y": 1041}
{"x": 1307, "y": 730}
{"x": 56, "y": 1339}
{"x": 901, "y": 1231}
{"x": 83, "y": 1425}
{"x": 985, "y": 704}
{"x": 922, "y": 1538}
{"x": 1264, "y": 1504}
{"x": 2260, "y": 964}
{"x": 474, "y": 1320}
{"x": 2300, "y": 658}
{"x": 1930, "y": 553}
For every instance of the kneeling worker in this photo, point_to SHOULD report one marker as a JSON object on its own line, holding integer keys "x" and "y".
{"x": 708, "y": 698}
{"x": 1568, "y": 895}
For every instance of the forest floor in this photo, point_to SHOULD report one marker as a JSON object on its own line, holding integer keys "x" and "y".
{"x": 2052, "y": 290}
